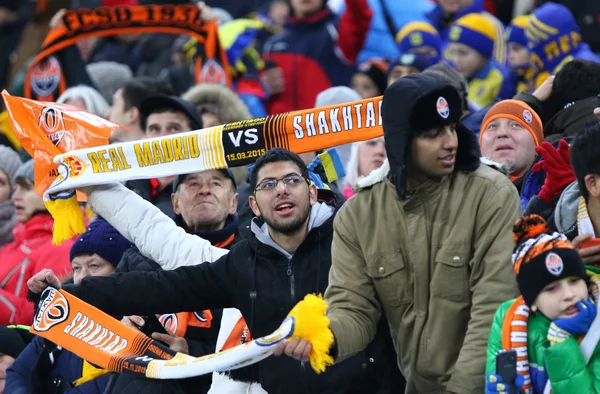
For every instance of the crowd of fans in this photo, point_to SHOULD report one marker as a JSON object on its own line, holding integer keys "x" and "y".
{"x": 485, "y": 187}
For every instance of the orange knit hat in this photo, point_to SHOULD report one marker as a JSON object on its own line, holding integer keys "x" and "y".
{"x": 518, "y": 111}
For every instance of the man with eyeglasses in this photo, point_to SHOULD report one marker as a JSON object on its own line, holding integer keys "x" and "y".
{"x": 287, "y": 256}
{"x": 205, "y": 205}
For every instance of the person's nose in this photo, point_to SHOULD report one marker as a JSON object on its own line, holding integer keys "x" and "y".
{"x": 380, "y": 149}
{"x": 281, "y": 187}
{"x": 450, "y": 141}
{"x": 205, "y": 190}
{"x": 568, "y": 293}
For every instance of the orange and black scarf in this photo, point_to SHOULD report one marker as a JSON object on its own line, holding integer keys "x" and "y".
{"x": 45, "y": 79}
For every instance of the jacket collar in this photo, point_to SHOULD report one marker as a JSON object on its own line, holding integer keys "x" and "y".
{"x": 320, "y": 214}
{"x": 38, "y": 226}
{"x": 214, "y": 237}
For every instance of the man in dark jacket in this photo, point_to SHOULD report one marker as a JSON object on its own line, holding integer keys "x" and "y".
{"x": 264, "y": 276}
{"x": 205, "y": 204}
{"x": 161, "y": 116}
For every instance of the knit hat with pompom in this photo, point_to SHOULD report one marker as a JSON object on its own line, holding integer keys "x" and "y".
{"x": 541, "y": 258}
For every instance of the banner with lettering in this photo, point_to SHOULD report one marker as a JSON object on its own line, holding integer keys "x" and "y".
{"x": 106, "y": 342}
{"x": 45, "y": 78}
{"x": 230, "y": 145}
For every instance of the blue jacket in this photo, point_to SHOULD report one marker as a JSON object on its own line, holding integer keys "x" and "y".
{"x": 66, "y": 365}
{"x": 380, "y": 42}
{"x": 492, "y": 82}
{"x": 585, "y": 53}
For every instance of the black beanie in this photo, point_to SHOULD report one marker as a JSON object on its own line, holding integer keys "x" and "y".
{"x": 540, "y": 258}
{"x": 12, "y": 342}
{"x": 376, "y": 71}
{"x": 412, "y": 105}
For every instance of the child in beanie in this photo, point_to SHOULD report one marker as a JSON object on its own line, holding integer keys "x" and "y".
{"x": 548, "y": 325}
{"x": 422, "y": 38}
{"x": 519, "y": 59}
{"x": 471, "y": 50}
{"x": 554, "y": 40}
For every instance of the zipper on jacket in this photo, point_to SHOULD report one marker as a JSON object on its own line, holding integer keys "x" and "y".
{"x": 290, "y": 274}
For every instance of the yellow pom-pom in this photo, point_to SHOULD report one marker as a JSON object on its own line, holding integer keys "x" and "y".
{"x": 311, "y": 323}
{"x": 68, "y": 218}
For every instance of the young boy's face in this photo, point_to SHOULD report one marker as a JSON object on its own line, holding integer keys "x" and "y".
{"x": 518, "y": 55}
{"x": 467, "y": 60}
{"x": 558, "y": 300}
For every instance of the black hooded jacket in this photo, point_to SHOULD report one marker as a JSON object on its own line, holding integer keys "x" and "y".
{"x": 415, "y": 104}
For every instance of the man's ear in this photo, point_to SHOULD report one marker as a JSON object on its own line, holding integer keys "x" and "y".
{"x": 592, "y": 184}
{"x": 175, "y": 202}
{"x": 253, "y": 205}
{"x": 133, "y": 115}
{"x": 234, "y": 204}
{"x": 312, "y": 193}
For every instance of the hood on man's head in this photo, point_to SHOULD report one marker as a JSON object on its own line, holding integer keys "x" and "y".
{"x": 415, "y": 104}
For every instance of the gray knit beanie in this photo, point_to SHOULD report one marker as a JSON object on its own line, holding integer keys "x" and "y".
{"x": 336, "y": 95}
{"x": 9, "y": 161}
{"x": 25, "y": 171}
{"x": 108, "y": 77}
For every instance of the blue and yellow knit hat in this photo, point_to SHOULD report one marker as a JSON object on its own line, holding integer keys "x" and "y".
{"x": 475, "y": 31}
{"x": 515, "y": 32}
{"x": 417, "y": 35}
{"x": 552, "y": 35}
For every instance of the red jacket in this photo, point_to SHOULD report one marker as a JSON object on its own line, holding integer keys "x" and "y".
{"x": 317, "y": 53}
{"x": 30, "y": 252}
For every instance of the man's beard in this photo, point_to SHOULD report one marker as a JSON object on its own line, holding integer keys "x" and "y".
{"x": 290, "y": 227}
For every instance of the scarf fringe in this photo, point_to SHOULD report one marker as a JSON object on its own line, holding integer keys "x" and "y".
{"x": 68, "y": 218}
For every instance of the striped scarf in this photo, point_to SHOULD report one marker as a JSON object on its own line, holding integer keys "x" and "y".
{"x": 584, "y": 223}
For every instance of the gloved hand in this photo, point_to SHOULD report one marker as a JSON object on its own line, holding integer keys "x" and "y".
{"x": 561, "y": 329}
{"x": 494, "y": 384}
{"x": 559, "y": 172}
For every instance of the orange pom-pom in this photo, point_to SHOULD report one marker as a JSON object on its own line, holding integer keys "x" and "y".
{"x": 529, "y": 226}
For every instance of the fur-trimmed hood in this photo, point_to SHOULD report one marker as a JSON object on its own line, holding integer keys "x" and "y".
{"x": 379, "y": 174}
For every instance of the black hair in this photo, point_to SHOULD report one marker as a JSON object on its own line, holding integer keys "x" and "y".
{"x": 160, "y": 110}
{"x": 577, "y": 80}
{"x": 138, "y": 89}
{"x": 585, "y": 151}
{"x": 273, "y": 156}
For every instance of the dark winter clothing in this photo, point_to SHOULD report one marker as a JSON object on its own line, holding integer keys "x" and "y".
{"x": 34, "y": 373}
{"x": 254, "y": 277}
{"x": 201, "y": 340}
